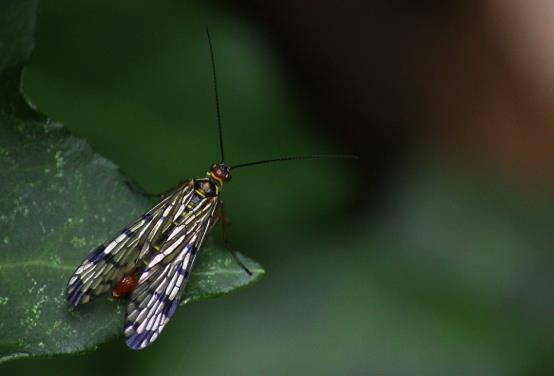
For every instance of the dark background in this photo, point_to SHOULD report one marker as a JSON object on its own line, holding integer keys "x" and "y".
{"x": 431, "y": 255}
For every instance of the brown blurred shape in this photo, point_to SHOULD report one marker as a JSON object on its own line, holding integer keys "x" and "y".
{"x": 388, "y": 78}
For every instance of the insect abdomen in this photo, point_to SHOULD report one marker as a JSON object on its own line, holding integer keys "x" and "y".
{"x": 126, "y": 285}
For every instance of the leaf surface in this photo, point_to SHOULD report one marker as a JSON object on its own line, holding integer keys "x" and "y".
{"x": 58, "y": 200}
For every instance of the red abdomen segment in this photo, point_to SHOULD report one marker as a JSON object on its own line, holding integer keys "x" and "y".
{"x": 125, "y": 286}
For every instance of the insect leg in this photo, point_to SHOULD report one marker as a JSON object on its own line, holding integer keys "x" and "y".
{"x": 224, "y": 223}
{"x": 136, "y": 189}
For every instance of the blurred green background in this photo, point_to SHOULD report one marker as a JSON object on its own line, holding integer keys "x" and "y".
{"x": 450, "y": 272}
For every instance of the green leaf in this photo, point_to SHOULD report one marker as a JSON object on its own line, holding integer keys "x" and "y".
{"x": 58, "y": 200}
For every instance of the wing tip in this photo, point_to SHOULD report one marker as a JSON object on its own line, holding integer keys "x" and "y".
{"x": 140, "y": 341}
{"x": 74, "y": 293}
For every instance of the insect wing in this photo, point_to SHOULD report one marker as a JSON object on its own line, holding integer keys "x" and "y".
{"x": 161, "y": 284}
{"x": 107, "y": 264}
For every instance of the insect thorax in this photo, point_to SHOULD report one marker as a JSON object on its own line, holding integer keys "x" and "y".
{"x": 206, "y": 187}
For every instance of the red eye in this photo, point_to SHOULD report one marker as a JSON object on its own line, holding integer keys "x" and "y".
{"x": 220, "y": 172}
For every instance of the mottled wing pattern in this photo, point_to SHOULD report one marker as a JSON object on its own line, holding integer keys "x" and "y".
{"x": 107, "y": 264}
{"x": 161, "y": 284}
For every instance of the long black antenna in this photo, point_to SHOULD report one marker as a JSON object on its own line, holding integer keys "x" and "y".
{"x": 295, "y": 158}
{"x": 220, "y": 130}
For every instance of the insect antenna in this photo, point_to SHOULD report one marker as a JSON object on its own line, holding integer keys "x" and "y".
{"x": 295, "y": 158}
{"x": 216, "y": 93}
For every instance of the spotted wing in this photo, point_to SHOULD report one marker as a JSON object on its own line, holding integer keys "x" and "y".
{"x": 161, "y": 284}
{"x": 107, "y": 264}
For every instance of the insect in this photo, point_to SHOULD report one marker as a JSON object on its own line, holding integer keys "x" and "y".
{"x": 151, "y": 259}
